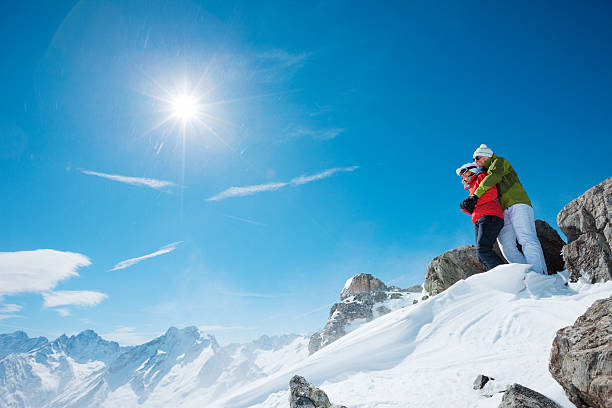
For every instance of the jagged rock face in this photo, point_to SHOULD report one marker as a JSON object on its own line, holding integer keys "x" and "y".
{"x": 363, "y": 299}
{"x": 444, "y": 270}
{"x": 581, "y": 357}
{"x": 517, "y": 396}
{"x": 587, "y": 222}
{"x": 363, "y": 282}
{"x": 304, "y": 395}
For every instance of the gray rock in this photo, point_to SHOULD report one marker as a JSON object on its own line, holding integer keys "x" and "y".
{"x": 587, "y": 222}
{"x": 304, "y": 395}
{"x": 581, "y": 357}
{"x": 359, "y": 300}
{"x": 589, "y": 257}
{"x": 481, "y": 381}
{"x": 517, "y": 396}
{"x": 551, "y": 244}
{"x": 460, "y": 263}
{"x": 444, "y": 270}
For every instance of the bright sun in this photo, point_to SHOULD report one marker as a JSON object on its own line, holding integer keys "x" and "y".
{"x": 184, "y": 107}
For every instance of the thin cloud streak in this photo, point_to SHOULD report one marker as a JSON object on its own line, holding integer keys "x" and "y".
{"x": 318, "y": 309}
{"x": 245, "y": 220}
{"x": 132, "y": 261}
{"x": 8, "y": 310}
{"x": 259, "y": 188}
{"x": 135, "y": 181}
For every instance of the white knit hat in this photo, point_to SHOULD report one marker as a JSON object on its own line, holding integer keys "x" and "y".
{"x": 483, "y": 150}
{"x": 467, "y": 166}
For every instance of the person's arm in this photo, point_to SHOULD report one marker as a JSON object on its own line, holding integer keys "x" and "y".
{"x": 496, "y": 172}
{"x": 489, "y": 195}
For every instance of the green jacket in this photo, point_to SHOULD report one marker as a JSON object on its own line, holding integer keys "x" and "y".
{"x": 509, "y": 188}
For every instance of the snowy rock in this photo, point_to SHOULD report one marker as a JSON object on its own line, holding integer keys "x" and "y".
{"x": 363, "y": 299}
{"x": 304, "y": 395}
{"x": 481, "y": 381}
{"x": 587, "y": 222}
{"x": 581, "y": 357}
{"x": 444, "y": 270}
{"x": 517, "y": 396}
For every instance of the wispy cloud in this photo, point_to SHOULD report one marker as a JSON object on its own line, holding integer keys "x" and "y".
{"x": 245, "y": 220}
{"x": 135, "y": 181}
{"x": 260, "y": 188}
{"x": 161, "y": 251}
{"x": 73, "y": 297}
{"x": 284, "y": 58}
{"x": 318, "y": 309}
{"x": 38, "y": 270}
{"x": 278, "y": 65}
{"x": 63, "y": 312}
{"x": 8, "y": 310}
{"x": 321, "y": 134}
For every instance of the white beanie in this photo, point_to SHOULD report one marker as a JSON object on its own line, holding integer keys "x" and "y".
{"x": 467, "y": 166}
{"x": 483, "y": 150}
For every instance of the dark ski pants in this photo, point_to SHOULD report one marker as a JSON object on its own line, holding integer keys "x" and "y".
{"x": 487, "y": 229}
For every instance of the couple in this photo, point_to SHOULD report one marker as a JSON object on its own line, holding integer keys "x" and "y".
{"x": 501, "y": 210}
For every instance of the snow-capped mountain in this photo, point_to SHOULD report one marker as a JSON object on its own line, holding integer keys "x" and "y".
{"x": 88, "y": 371}
{"x": 500, "y": 323}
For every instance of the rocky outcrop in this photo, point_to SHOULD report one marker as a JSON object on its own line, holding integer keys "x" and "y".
{"x": 444, "y": 270}
{"x": 362, "y": 283}
{"x": 517, "y": 396}
{"x": 460, "y": 263}
{"x": 304, "y": 395}
{"x": 581, "y": 357}
{"x": 587, "y": 222}
{"x": 363, "y": 298}
{"x": 551, "y": 244}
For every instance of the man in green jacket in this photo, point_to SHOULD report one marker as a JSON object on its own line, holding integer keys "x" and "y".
{"x": 519, "y": 220}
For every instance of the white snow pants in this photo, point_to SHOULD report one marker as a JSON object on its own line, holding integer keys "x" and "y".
{"x": 519, "y": 225}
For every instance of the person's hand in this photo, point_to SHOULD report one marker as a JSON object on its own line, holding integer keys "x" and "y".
{"x": 469, "y": 204}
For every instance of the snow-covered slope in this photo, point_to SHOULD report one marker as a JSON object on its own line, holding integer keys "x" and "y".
{"x": 500, "y": 323}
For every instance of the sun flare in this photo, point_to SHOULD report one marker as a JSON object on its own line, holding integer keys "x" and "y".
{"x": 184, "y": 107}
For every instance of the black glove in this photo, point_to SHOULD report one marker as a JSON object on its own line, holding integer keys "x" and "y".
{"x": 469, "y": 203}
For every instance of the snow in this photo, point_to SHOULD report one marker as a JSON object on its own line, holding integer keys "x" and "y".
{"x": 500, "y": 323}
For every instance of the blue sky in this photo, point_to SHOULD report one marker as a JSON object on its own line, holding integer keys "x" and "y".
{"x": 339, "y": 124}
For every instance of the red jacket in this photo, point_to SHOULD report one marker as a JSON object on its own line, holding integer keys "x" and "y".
{"x": 488, "y": 203}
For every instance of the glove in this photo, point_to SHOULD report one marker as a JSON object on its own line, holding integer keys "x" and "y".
{"x": 469, "y": 204}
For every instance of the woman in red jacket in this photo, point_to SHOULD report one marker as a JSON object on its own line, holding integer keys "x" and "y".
{"x": 487, "y": 217}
